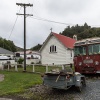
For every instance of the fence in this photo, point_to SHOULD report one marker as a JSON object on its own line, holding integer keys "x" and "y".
{"x": 32, "y": 67}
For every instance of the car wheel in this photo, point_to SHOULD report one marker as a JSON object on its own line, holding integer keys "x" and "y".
{"x": 79, "y": 88}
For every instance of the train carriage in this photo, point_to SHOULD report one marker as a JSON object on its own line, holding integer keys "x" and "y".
{"x": 87, "y": 55}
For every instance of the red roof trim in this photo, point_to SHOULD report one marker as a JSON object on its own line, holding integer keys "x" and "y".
{"x": 66, "y": 41}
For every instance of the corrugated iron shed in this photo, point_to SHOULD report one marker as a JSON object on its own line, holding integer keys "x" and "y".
{"x": 4, "y": 51}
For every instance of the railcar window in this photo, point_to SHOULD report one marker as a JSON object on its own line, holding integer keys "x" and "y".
{"x": 94, "y": 49}
{"x": 80, "y": 51}
{"x": 90, "y": 49}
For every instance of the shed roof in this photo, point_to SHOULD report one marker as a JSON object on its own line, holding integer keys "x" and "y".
{"x": 4, "y": 51}
{"x": 28, "y": 52}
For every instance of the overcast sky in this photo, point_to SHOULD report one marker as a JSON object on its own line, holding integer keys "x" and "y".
{"x": 71, "y": 12}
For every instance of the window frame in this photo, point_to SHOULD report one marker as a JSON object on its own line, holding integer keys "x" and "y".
{"x": 53, "y": 49}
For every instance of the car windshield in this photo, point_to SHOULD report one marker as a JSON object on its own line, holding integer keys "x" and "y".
{"x": 94, "y": 49}
{"x": 80, "y": 50}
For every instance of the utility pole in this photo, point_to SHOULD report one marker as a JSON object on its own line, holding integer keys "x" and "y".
{"x": 25, "y": 15}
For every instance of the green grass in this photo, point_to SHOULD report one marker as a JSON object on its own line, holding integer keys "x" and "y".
{"x": 15, "y": 82}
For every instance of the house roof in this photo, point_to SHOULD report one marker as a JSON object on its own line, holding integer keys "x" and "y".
{"x": 28, "y": 52}
{"x": 4, "y": 51}
{"x": 66, "y": 41}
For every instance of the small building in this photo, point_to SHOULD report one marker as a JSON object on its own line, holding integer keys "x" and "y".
{"x": 5, "y": 56}
{"x": 57, "y": 49}
{"x": 7, "y": 53}
{"x": 31, "y": 56}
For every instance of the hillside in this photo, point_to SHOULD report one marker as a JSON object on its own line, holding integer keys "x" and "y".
{"x": 82, "y": 32}
{"x": 19, "y": 48}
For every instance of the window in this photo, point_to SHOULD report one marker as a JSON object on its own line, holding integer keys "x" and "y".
{"x": 53, "y": 48}
{"x": 80, "y": 50}
{"x": 94, "y": 49}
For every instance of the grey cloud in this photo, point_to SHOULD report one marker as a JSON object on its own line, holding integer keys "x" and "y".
{"x": 67, "y": 11}
{"x": 65, "y": 7}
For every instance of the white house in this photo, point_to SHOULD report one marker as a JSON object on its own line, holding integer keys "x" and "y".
{"x": 57, "y": 49}
{"x": 31, "y": 56}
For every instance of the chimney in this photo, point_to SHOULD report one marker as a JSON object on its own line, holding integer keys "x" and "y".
{"x": 75, "y": 37}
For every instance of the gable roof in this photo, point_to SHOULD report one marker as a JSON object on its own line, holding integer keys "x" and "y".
{"x": 66, "y": 41}
{"x": 4, "y": 51}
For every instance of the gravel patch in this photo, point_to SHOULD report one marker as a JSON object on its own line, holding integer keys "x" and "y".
{"x": 90, "y": 92}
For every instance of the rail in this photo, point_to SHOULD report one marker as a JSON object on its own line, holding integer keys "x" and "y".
{"x": 32, "y": 67}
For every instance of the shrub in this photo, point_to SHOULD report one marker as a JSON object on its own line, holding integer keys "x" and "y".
{"x": 20, "y": 60}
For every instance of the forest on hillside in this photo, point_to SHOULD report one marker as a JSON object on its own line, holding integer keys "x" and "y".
{"x": 82, "y": 32}
{"x": 7, "y": 44}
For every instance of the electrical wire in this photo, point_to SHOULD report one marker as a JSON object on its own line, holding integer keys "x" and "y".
{"x": 14, "y": 25}
{"x": 57, "y": 22}
{"x": 11, "y": 31}
{"x": 43, "y": 19}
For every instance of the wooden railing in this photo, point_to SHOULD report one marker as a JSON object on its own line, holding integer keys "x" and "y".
{"x": 31, "y": 67}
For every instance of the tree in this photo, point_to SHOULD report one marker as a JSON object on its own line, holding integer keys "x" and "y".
{"x": 7, "y": 44}
{"x": 37, "y": 47}
{"x": 82, "y": 32}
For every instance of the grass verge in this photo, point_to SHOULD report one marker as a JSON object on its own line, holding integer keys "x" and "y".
{"x": 15, "y": 82}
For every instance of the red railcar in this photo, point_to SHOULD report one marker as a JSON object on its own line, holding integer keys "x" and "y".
{"x": 87, "y": 56}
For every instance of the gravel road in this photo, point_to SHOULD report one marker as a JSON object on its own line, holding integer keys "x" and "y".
{"x": 90, "y": 92}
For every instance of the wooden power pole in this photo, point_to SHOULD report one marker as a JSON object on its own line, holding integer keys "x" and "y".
{"x": 25, "y": 15}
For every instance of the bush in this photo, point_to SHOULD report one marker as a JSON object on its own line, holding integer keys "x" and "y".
{"x": 32, "y": 62}
{"x": 20, "y": 60}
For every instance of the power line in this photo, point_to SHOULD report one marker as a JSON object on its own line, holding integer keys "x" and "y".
{"x": 14, "y": 25}
{"x": 57, "y": 22}
{"x": 11, "y": 32}
{"x": 47, "y": 20}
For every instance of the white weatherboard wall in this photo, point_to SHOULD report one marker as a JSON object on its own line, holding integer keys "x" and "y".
{"x": 62, "y": 56}
{"x": 69, "y": 57}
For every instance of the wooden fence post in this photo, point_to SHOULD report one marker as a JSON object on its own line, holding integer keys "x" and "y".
{"x": 33, "y": 68}
{"x": 62, "y": 67}
{"x": 16, "y": 69}
{"x": 2, "y": 66}
{"x": 8, "y": 67}
{"x": 46, "y": 68}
